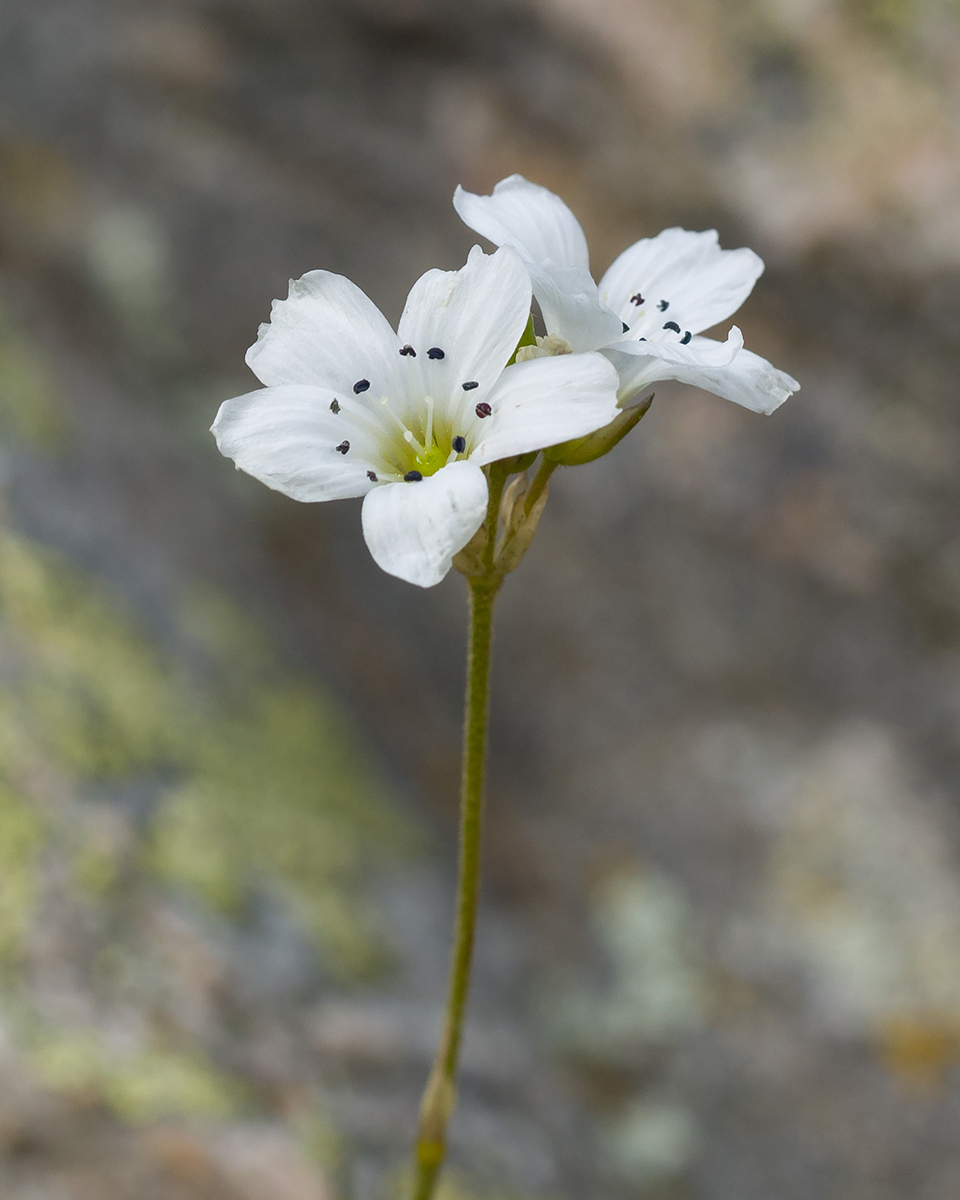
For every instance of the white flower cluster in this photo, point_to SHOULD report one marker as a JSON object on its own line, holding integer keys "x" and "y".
{"x": 409, "y": 419}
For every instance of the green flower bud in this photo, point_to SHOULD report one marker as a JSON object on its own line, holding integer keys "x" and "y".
{"x": 585, "y": 449}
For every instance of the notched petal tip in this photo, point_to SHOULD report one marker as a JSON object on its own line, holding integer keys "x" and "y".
{"x": 323, "y": 333}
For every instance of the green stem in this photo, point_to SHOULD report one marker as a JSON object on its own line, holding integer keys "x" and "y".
{"x": 496, "y": 481}
{"x": 439, "y": 1096}
{"x": 538, "y": 483}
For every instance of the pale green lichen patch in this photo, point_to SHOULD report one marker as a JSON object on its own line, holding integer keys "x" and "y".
{"x": 862, "y": 900}
{"x": 269, "y": 784}
{"x": 884, "y": 16}
{"x": 142, "y": 1086}
{"x": 276, "y": 788}
{"x": 657, "y": 991}
{"x": 93, "y": 691}
{"x": 21, "y": 834}
{"x": 29, "y": 401}
{"x": 651, "y": 1142}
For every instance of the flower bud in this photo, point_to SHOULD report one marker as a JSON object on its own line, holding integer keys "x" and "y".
{"x": 585, "y": 449}
{"x": 519, "y": 525}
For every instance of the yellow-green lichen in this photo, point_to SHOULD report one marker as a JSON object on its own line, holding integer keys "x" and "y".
{"x": 276, "y": 788}
{"x": 21, "y": 833}
{"x": 140, "y": 1086}
{"x": 320, "y": 1140}
{"x": 886, "y": 17}
{"x": 266, "y": 783}
{"x": 100, "y": 840}
{"x": 29, "y": 401}
{"x": 92, "y": 688}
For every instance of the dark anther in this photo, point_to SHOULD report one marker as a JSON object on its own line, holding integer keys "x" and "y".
{"x": 334, "y": 406}
{"x": 642, "y": 339}
{"x": 409, "y": 351}
{"x": 435, "y": 352}
{"x": 459, "y": 444}
{"x": 672, "y": 325}
{"x": 343, "y": 447}
{"x": 484, "y": 409}
{"x": 412, "y": 477}
{"x": 361, "y": 385}
{"x": 470, "y": 385}
{"x": 663, "y": 305}
{"x": 686, "y": 338}
{"x": 372, "y": 476}
{"x": 636, "y": 299}
{"x": 626, "y": 327}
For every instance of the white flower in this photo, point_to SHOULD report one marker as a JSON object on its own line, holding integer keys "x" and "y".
{"x": 407, "y": 419}
{"x": 651, "y": 304}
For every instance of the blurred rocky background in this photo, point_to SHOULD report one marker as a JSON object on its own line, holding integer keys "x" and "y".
{"x": 720, "y": 952}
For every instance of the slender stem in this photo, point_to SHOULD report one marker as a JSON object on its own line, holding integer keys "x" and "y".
{"x": 496, "y": 480}
{"x": 439, "y": 1096}
{"x": 538, "y": 483}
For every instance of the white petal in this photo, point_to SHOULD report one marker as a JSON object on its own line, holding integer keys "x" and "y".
{"x": 701, "y": 283}
{"x": 532, "y": 220}
{"x": 326, "y": 333}
{"x": 699, "y": 352}
{"x": 287, "y": 436}
{"x": 475, "y": 316}
{"x": 413, "y": 530}
{"x": 545, "y": 401}
{"x": 746, "y": 378}
{"x": 572, "y": 311}
{"x": 549, "y": 239}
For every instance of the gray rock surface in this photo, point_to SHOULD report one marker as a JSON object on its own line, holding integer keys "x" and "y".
{"x": 720, "y": 956}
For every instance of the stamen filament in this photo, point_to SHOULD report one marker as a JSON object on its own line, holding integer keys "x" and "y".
{"x": 360, "y": 421}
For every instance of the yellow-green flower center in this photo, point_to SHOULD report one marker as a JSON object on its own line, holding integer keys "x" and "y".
{"x": 424, "y": 446}
{"x": 432, "y": 459}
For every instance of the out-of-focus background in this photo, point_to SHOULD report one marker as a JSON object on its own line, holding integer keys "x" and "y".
{"x": 720, "y": 951}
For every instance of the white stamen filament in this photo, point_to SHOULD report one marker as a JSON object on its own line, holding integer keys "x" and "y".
{"x": 407, "y": 435}
{"x": 463, "y": 408}
{"x": 360, "y": 421}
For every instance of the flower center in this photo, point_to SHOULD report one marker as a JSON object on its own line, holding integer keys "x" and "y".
{"x": 414, "y": 442}
{"x": 415, "y": 449}
{"x": 432, "y": 459}
{"x": 546, "y": 347}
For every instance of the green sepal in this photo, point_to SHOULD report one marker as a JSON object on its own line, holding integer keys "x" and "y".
{"x": 585, "y": 449}
{"x": 469, "y": 560}
{"x": 519, "y": 525}
{"x": 527, "y": 338}
{"x": 514, "y": 466}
